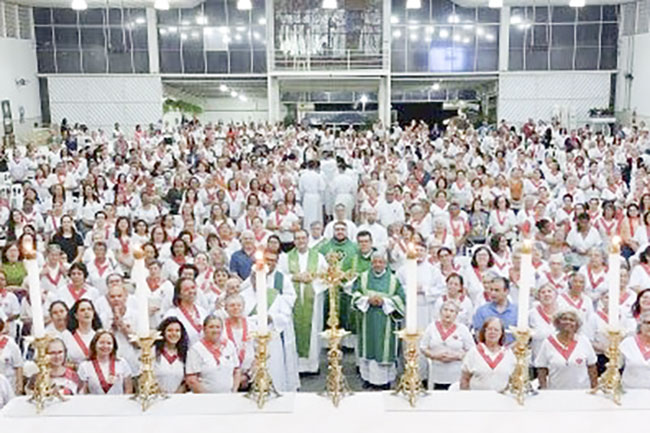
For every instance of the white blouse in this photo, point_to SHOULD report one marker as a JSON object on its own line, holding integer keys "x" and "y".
{"x": 489, "y": 371}
{"x": 113, "y": 376}
{"x": 169, "y": 371}
{"x": 457, "y": 339}
{"x": 216, "y": 377}
{"x": 567, "y": 365}
{"x": 637, "y": 363}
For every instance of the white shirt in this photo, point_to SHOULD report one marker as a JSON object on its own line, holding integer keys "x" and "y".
{"x": 637, "y": 363}
{"x": 458, "y": 339}
{"x": 88, "y": 375}
{"x": 169, "y": 375}
{"x": 567, "y": 366}
{"x": 215, "y": 377}
{"x": 485, "y": 376}
{"x": 75, "y": 351}
{"x": 10, "y": 359}
{"x": 193, "y": 326}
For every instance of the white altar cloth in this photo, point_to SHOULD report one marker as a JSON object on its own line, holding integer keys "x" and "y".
{"x": 466, "y": 412}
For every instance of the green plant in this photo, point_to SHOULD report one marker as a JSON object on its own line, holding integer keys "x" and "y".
{"x": 601, "y": 112}
{"x": 181, "y": 106}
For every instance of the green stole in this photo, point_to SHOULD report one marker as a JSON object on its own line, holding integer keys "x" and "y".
{"x": 272, "y": 292}
{"x": 303, "y": 309}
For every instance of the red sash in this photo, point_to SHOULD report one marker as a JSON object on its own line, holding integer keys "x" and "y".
{"x": 645, "y": 350}
{"x": 445, "y": 333}
{"x": 101, "y": 269}
{"x": 77, "y": 296}
{"x": 568, "y": 298}
{"x": 564, "y": 351}
{"x": 543, "y": 314}
{"x": 124, "y": 245}
{"x": 606, "y": 227}
{"x": 241, "y": 353}
{"x": 191, "y": 317}
{"x": 456, "y": 229}
{"x": 100, "y": 375}
{"x": 179, "y": 260}
{"x": 170, "y": 358}
{"x": 215, "y": 351}
{"x": 232, "y": 196}
{"x": 54, "y": 281}
{"x": 603, "y": 316}
{"x": 492, "y": 363}
{"x": 499, "y": 219}
{"x": 3, "y": 342}
{"x": 596, "y": 283}
{"x": 80, "y": 343}
{"x": 552, "y": 281}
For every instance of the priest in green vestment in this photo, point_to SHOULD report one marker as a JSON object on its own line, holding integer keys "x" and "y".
{"x": 379, "y": 298}
{"x": 303, "y": 264}
{"x": 341, "y": 244}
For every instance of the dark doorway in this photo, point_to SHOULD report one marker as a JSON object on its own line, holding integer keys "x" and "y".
{"x": 430, "y": 112}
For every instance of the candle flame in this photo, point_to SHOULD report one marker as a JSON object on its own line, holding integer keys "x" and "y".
{"x": 616, "y": 240}
{"x": 259, "y": 256}
{"x": 138, "y": 252}
{"x": 28, "y": 250}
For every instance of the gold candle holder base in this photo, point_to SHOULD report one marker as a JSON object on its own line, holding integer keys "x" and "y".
{"x": 336, "y": 386}
{"x": 44, "y": 390}
{"x": 609, "y": 382}
{"x": 519, "y": 383}
{"x": 262, "y": 387}
{"x": 148, "y": 389}
{"x": 410, "y": 384}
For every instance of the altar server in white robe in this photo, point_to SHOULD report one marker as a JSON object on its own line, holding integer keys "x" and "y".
{"x": 311, "y": 187}
{"x": 281, "y": 297}
{"x": 489, "y": 364}
{"x": 344, "y": 187}
{"x": 303, "y": 265}
{"x": 567, "y": 360}
{"x": 636, "y": 356}
{"x": 430, "y": 285}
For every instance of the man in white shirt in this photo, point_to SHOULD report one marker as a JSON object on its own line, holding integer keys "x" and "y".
{"x": 390, "y": 211}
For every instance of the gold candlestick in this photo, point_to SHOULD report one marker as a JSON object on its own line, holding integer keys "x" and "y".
{"x": 44, "y": 390}
{"x": 262, "y": 387}
{"x": 519, "y": 383}
{"x": 148, "y": 388}
{"x": 410, "y": 383}
{"x": 336, "y": 386}
{"x": 610, "y": 381}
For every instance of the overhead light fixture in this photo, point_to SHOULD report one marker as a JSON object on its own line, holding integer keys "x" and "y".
{"x": 515, "y": 19}
{"x": 444, "y": 34}
{"x": 163, "y": 31}
{"x": 430, "y": 30}
{"x": 453, "y": 19}
{"x": 183, "y": 36}
{"x": 79, "y": 5}
{"x": 394, "y": 20}
{"x": 435, "y": 87}
{"x": 233, "y": 94}
{"x": 244, "y": 5}
{"x": 223, "y": 88}
{"x": 330, "y": 4}
{"x": 480, "y": 31}
{"x": 397, "y": 34}
{"x": 413, "y": 4}
{"x": 577, "y": 3}
{"x": 262, "y": 21}
{"x": 201, "y": 20}
{"x": 414, "y": 37}
{"x": 243, "y": 98}
{"x": 495, "y": 4}
{"x": 140, "y": 20}
{"x": 489, "y": 37}
{"x": 161, "y": 5}
{"x": 363, "y": 99}
{"x": 172, "y": 30}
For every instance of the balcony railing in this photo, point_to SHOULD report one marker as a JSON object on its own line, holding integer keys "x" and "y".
{"x": 341, "y": 60}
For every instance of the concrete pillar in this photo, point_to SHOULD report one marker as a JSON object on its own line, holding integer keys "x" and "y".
{"x": 383, "y": 100}
{"x": 152, "y": 41}
{"x": 273, "y": 97}
{"x": 504, "y": 39}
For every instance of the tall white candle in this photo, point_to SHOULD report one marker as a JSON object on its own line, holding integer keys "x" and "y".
{"x": 614, "y": 281}
{"x": 260, "y": 288}
{"x": 138, "y": 275}
{"x": 411, "y": 290}
{"x": 527, "y": 273}
{"x": 35, "y": 295}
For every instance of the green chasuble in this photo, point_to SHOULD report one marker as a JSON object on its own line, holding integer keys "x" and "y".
{"x": 377, "y": 339}
{"x": 348, "y": 249}
{"x": 303, "y": 310}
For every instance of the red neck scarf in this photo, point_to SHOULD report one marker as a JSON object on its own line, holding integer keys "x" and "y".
{"x": 445, "y": 333}
{"x": 214, "y": 350}
{"x": 192, "y": 317}
{"x": 3, "y": 342}
{"x": 492, "y": 363}
{"x": 543, "y": 314}
{"x": 169, "y": 357}
{"x": 562, "y": 350}
{"x": 100, "y": 374}
{"x": 241, "y": 351}
{"x": 101, "y": 269}
{"x": 153, "y": 284}
{"x": 76, "y": 295}
{"x": 574, "y": 304}
{"x": 595, "y": 283}
{"x": 124, "y": 245}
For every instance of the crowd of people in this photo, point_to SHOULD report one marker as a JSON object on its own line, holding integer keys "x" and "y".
{"x": 200, "y": 200}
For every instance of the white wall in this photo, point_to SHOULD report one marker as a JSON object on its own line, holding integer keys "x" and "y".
{"x": 634, "y": 57}
{"x": 231, "y": 109}
{"x": 18, "y": 61}
{"x": 100, "y": 101}
{"x": 541, "y": 95}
